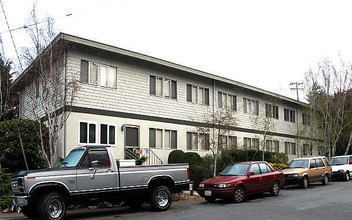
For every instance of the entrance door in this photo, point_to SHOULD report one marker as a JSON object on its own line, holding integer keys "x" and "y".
{"x": 131, "y": 142}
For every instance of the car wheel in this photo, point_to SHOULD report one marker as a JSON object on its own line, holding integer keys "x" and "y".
{"x": 29, "y": 211}
{"x": 305, "y": 182}
{"x": 161, "y": 198}
{"x": 240, "y": 195}
{"x": 275, "y": 190}
{"x": 210, "y": 199}
{"x": 347, "y": 176}
{"x": 51, "y": 206}
{"x": 326, "y": 179}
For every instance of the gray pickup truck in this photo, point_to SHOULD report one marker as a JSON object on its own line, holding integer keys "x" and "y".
{"x": 91, "y": 174}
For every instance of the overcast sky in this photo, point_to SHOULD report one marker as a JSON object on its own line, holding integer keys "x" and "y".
{"x": 266, "y": 44}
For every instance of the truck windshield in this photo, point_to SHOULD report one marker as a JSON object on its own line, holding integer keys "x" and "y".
{"x": 338, "y": 160}
{"x": 299, "y": 164}
{"x": 235, "y": 170}
{"x": 72, "y": 158}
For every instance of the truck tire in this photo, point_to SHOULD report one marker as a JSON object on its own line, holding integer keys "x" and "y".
{"x": 29, "y": 211}
{"x": 161, "y": 198}
{"x": 51, "y": 206}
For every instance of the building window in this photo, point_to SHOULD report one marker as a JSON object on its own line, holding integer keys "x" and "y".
{"x": 321, "y": 151}
{"x": 276, "y": 146}
{"x": 232, "y": 142}
{"x": 91, "y": 71}
{"x": 290, "y": 115}
{"x": 170, "y": 138}
{"x": 170, "y": 88}
{"x": 305, "y": 149}
{"x": 204, "y": 141}
{"x": 255, "y": 144}
{"x": 107, "y": 134}
{"x": 269, "y": 146}
{"x": 271, "y": 111}
{"x": 246, "y": 143}
{"x": 250, "y": 106}
{"x": 192, "y": 94}
{"x": 87, "y": 133}
{"x": 290, "y": 148}
{"x": 192, "y": 141}
{"x": 227, "y": 101}
{"x": 287, "y": 148}
{"x": 305, "y": 119}
{"x": 155, "y": 138}
{"x": 156, "y": 86}
{"x": 222, "y": 142}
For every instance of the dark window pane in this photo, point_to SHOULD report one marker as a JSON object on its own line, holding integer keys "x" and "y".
{"x": 111, "y": 134}
{"x": 263, "y": 168}
{"x": 174, "y": 89}
{"x": 312, "y": 163}
{"x": 84, "y": 71}
{"x": 220, "y": 99}
{"x": 152, "y": 142}
{"x": 189, "y": 141}
{"x": 103, "y": 134}
{"x": 83, "y": 132}
{"x": 173, "y": 139}
{"x": 255, "y": 169}
{"x": 206, "y": 96}
{"x": 234, "y": 103}
{"x": 101, "y": 156}
{"x": 92, "y": 133}
{"x": 85, "y": 163}
{"x": 189, "y": 93}
{"x": 152, "y": 85}
{"x": 132, "y": 137}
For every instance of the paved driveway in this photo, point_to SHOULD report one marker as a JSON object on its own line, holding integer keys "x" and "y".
{"x": 333, "y": 201}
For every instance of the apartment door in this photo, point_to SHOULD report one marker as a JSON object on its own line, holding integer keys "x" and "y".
{"x": 132, "y": 142}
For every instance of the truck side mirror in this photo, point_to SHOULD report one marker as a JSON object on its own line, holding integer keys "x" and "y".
{"x": 95, "y": 164}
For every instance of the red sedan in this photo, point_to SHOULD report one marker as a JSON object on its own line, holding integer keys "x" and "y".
{"x": 241, "y": 179}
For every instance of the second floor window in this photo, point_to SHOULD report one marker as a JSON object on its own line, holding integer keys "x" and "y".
{"x": 250, "y": 106}
{"x": 93, "y": 73}
{"x": 271, "y": 111}
{"x": 170, "y": 88}
{"x": 197, "y": 94}
{"x": 290, "y": 115}
{"x": 305, "y": 119}
{"x": 163, "y": 87}
{"x": 227, "y": 101}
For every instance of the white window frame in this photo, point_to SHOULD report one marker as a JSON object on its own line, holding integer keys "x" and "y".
{"x": 96, "y": 132}
{"x": 170, "y": 139}
{"x": 162, "y": 138}
{"x": 108, "y": 133}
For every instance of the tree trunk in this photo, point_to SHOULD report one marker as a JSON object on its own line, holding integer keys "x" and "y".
{"x": 349, "y": 143}
{"x": 215, "y": 161}
{"x": 24, "y": 155}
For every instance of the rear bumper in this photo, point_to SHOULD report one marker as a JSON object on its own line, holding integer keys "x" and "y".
{"x": 217, "y": 193}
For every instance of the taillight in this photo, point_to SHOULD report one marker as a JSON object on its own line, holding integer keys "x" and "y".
{"x": 189, "y": 175}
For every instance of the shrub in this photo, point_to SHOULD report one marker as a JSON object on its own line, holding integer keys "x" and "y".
{"x": 11, "y": 156}
{"x": 193, "y": 159}
{"x": 280, "y": 158}
{"x": 176, "y": 156}
{"x": 5, "y": 190}
{"x": 278, "y": 166}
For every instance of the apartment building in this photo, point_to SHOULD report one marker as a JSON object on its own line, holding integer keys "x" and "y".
{"x": 136, "y": 102}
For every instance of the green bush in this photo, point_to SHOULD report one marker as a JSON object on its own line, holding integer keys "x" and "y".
{"x": 280, "y": 158}
{"x": 5, "y": 190}
{"x": 11, "y": 156}
{"x": 278, "y": 166}
{"x": 176, "y": 156}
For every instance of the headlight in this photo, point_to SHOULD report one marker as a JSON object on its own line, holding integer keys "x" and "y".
{"x": 224, "y": 185}
{"x": 201, "y": 185}
{"x": 295, "y": 175}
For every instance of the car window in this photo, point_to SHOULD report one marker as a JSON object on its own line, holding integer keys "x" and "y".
{"x": 269, "y": 168}
{"x": 96, "y": 155}
{"x": 319, "y": 162}
{"x": 263, "y": 168}
{"x": 312, "y": 163}
{"x": 326, "y": 162}
{"x": 350, "y": 160}
{"x": 299, "y": 163}
{"x": 255, "y": 169}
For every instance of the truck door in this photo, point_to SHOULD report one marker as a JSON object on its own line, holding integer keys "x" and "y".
{"x": 102, "y": 178}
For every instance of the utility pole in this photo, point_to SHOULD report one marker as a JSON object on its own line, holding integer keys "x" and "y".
{"x": 298, "y": 86}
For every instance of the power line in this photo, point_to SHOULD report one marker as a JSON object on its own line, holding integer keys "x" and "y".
{"x": 13, "y": 42}
{"x": 297, "y": 87}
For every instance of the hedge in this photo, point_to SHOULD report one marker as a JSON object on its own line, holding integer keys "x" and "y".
{"x": 5, "y": 190}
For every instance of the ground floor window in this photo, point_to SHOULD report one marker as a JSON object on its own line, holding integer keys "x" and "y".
{"x": 192, "y": 141}
{"x": 107, "y": 134}
{"x": 87, "y": 132}
{"x": 170, "y": 139}
{"x": 290, "y": 148}
{"x": 155, "y": 138}
{"x": 276, "y": 146}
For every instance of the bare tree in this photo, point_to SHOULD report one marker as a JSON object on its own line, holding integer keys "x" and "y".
{"x": 216, "y": 126}
{"x": 327, "y": 96}
{"x": 6, "y": 96}
{"x": 50, "y": 90}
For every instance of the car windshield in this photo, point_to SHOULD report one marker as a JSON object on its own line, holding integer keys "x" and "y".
{"x": 299, "y": 164}
{"x": 239, "y": 169}
{"x": 339, "y": 160}
{"x": 72, "y": 158}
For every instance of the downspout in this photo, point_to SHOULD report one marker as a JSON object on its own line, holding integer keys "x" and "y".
{"x": 64, "y": 106}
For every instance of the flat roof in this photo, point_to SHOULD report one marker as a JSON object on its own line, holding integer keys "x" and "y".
{"x": 117, "y": 50}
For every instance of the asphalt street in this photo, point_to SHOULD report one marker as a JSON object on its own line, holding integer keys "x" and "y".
{"x": 333, "y": 201}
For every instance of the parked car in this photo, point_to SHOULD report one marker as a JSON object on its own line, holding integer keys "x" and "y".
{"x": 92, "y": 174}
{"x": 307, "y": 170}
{"x": 341, "y": 167}
{"x": 238, "y": 180}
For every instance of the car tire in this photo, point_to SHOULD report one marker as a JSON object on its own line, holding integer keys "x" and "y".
{"x": 29, "y": 211}
{"x": 210, "y": 199}
{"x": 51, "y": 206}
{"x": 325, "y": 179}
{"x": 347, "y": 176}
{"x": 161, "y": 198}
{"x": 305, "y": 182}
{"x": 239, "y": 195}
{"x": 275, "y": 190}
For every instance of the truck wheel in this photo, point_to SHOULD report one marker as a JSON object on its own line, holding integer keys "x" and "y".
{"x": 326, "y": 179}
{"x": 305, "y": 182}
{"x": 161, "y": 198}
{"x": 29, "y": 211}
{"x": 347, "y": 176}
{"x": 51, "y": 206}
{"x": 275, "y": 190}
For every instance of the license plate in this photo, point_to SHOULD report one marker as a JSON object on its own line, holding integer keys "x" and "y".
{"x": 207, "y": 193}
